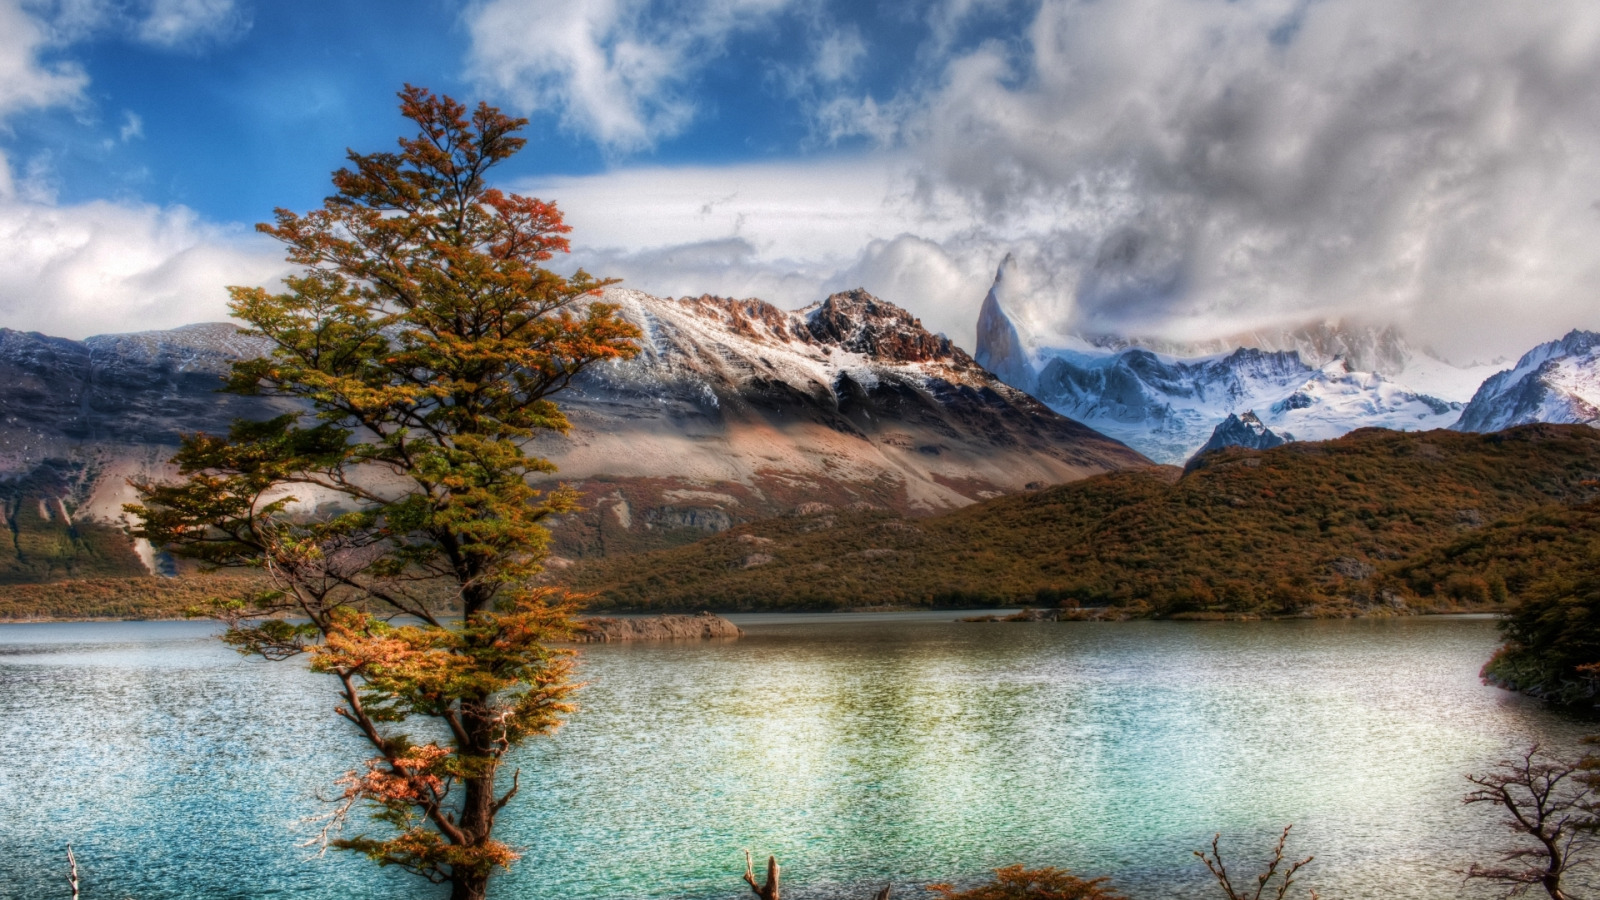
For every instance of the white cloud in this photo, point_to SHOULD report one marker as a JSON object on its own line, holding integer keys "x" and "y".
{"x": 619, "y": 70}
{"x": 132, "y": 126}
{"x": 101, "y": 267}
{"x": 1194, "y": 164}
{"x": 1189, "y": 168}
{"x": 25, "y": 81}
{"x": 788, "y": 233}
{"x": 174, "y": 23}
{"x": 839, "y": 55}
{"x": 98, "y": 268}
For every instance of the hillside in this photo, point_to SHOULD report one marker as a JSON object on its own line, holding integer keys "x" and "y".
{"x": 1302, "y": 528}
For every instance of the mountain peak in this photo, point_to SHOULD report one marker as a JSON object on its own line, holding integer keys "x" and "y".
{"x": 861, "y": 323}
{"x": 1557, "y": 381}
{"x": 1239, "y": 430}
{"x": 999, "y": 346}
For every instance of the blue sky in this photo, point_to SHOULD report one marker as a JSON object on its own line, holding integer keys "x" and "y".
{"x": 1174, "y": 168}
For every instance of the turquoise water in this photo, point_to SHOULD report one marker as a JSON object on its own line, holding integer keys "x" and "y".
{"x": 858, "y": 749}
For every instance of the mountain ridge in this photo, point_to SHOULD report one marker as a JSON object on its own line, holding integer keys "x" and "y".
{"x": 734, "y": 410}
{"x": 1316, "y": 380}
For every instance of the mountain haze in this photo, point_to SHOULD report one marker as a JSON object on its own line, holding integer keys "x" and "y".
{"x": 1165, "y": 398}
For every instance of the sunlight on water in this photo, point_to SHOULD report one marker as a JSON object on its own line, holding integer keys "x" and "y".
{"x": 857, "y": 749}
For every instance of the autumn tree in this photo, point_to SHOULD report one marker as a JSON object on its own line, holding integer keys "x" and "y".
{"x": 424, "y": 340}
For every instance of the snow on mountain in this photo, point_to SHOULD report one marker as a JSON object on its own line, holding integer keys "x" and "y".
{"x": 1162, "y": 406}
{"x": 1245, "y": 430}
{"x": 846, "y": 401}
{"x": 1165, "y": 398}
{"x": 1554, "y": 382}
{"x": 1336, "y": 400}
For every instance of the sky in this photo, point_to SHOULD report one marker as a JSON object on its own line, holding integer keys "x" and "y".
{"x": 1177, "y": 169}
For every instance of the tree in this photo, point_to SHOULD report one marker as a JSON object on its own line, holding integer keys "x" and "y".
{"x": 424, "y": 339}
{"x": 1264, "y": 880}
{"x": 1552, "y": 636}
{"x": 1552, "y": 804}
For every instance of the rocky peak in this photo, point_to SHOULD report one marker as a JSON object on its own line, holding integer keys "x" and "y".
{"x": 1577, "y": 343}
{"x": 751, "y": 318}
{"x": 1243, "y": 430}
{"x": 861, "y": 323}
{"x": 1000, "y": 347}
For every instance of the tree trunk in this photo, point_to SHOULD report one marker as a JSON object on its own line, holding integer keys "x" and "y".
{"x": 477, "y": 807}
{"x": 469, "y": 886}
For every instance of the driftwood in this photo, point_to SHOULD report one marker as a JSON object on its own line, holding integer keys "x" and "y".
{"x": 704, "y": 626}
{"x": 769, "y": 891}
{"x": 72, "y": 872}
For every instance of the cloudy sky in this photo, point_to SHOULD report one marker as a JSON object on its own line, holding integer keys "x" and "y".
{"x": 1162, "y": 168}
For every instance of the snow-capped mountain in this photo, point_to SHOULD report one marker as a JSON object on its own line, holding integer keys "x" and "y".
{"x": 1165, "y": 399}
{"x": 1554, "y": 382}
{"x": 733, "y": 410}
{"x": 1241, "y": 431}
{"x": 736, "y": 409}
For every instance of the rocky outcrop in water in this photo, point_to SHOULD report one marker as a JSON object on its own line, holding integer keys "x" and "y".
{"x": 703, "y": 627}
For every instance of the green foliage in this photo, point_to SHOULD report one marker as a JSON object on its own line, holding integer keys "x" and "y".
{"x": 1552, "y": 634}
{"x": 1303, "y": 529}
{"x": 427, "y": 338}
{"x": 41, "y": 537}
{"x": 141, "y": 597}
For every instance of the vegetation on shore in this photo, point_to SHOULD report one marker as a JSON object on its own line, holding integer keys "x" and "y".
{"x": 137, "y": 597}
{"x": 1372, "y": 523}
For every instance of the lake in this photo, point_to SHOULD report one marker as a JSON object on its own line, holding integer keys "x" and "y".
{"x": 857, "y": 748}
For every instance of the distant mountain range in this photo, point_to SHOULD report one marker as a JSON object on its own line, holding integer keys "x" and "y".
{"x": 737, "y": 410}
{"x": 734, "y": 410}
{"x": 1170, "y": 400}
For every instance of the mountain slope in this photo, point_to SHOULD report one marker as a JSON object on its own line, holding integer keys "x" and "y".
{"x": 736, "y": 410}
{"x": 1300, "y": 527}
{"x": 79, "y": 418}
{"x": 1554, "y": 382}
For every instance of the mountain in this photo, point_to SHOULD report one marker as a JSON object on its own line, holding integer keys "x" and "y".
{"x": 1554, "y": 382}
{"x": 1240, "y": 431}
{"x": 1332, "y": 527}
{"x": 1164, "y": 398}
{"x": 79, "y": 418}
{"x": 734, "y": 410}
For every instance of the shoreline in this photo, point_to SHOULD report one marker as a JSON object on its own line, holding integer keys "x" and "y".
{"x": 969, "y": 615}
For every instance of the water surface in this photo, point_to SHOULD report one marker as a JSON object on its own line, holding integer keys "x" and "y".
{"x": 857, "y": 748}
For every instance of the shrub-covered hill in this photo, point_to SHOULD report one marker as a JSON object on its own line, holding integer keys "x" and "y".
{"x": 1330, "y": 527}
{"x": 138, "y": 597}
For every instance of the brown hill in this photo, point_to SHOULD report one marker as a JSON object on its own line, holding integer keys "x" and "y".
{"x": 1309, "y": 527}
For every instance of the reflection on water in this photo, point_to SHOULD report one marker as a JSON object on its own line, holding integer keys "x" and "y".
{"x": 858, "y": 750}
